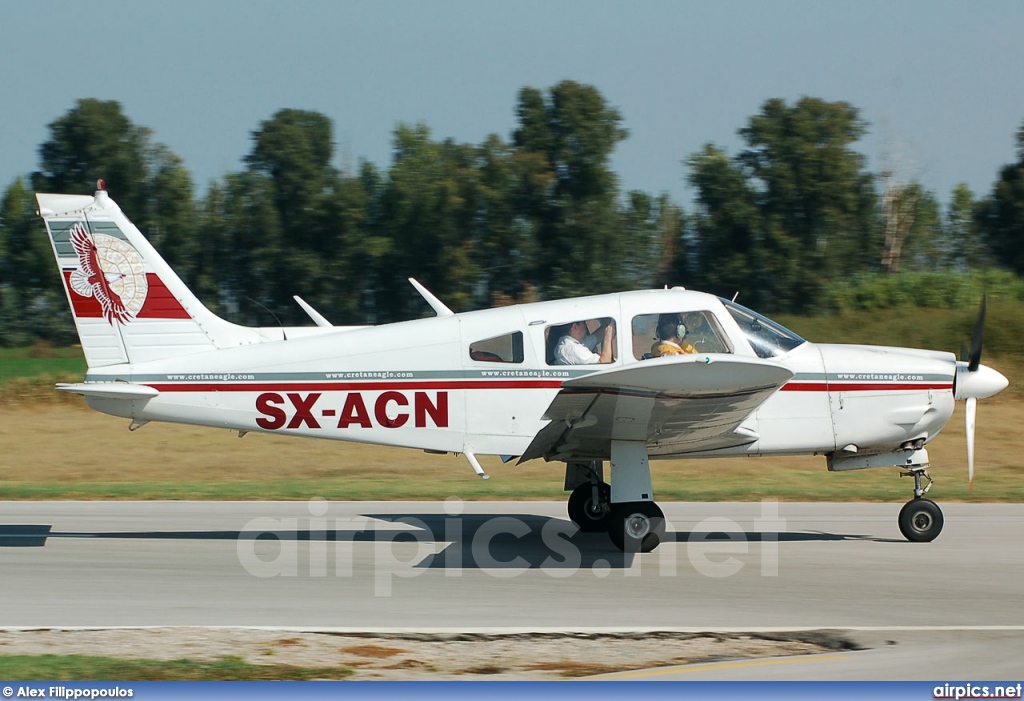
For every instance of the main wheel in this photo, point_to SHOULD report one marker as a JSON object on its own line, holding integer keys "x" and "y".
{"x": 591, "y": 517}
{"x": 920, "y": 520}
{"x": 637, "y": 526}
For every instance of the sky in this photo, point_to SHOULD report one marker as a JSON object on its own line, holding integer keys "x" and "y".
{"x": 939, "y": 82}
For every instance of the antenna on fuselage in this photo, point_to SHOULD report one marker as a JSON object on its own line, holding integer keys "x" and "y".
{"x": 316, "y": 316}
{"x": 284, "y": 334}
{"x": 735, "y": 295}
{"x": 437, "y": 305}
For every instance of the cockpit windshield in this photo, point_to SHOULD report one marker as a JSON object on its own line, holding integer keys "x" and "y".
{"x": 767, "y": 338}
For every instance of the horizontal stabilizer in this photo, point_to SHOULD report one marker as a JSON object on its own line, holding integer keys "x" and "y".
{"x": 109, "y": 390}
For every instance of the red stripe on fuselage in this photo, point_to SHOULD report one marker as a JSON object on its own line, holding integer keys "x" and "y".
{"x": 863, "y": 386}
{"x": 328, "y": 386}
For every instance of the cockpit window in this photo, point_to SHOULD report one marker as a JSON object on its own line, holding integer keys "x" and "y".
{"x": 676, "y": 333}
{"x": 507, "y": 348}
{"x": 767, "y": 338}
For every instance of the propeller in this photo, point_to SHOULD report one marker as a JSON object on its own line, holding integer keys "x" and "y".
{"x": 971, "y": 413}
{"x": 975, "y": 381}
{"x": 974, "y": 359}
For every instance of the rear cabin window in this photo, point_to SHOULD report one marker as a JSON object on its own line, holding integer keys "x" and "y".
{"x": 655, "y": 335}
{"x": 507, "y": 348}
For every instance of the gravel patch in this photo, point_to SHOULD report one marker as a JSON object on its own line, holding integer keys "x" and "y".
{"x": 527, "y": 656}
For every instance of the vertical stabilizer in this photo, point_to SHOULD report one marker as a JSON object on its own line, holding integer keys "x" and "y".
{"x": 128, "y": 305}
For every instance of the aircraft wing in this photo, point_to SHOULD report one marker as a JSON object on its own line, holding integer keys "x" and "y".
{"x": 677, "y": 404}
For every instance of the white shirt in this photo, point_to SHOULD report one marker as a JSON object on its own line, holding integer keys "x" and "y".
{"x": 569, "y": 351}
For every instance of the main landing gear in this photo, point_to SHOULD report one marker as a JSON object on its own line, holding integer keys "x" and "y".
{"x": 637, "y": 526}
{"x": 920, "y": 519}
{"x": 634, "y": 523}
{"x": 590, "y": 506}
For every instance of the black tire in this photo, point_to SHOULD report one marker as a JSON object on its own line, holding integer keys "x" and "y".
{"x": 637, "y": 526}
{"x": 582, "y": 509}
{"x": 920, "y": 520}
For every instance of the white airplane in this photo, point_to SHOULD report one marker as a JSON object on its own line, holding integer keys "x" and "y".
{"x": 495, "y": 381}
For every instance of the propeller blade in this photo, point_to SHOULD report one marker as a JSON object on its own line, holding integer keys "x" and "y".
{"x": 971, "y": 413}
{"x": 974, "y": 359}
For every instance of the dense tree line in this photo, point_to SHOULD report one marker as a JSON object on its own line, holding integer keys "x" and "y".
{"x": 537, "y": 216}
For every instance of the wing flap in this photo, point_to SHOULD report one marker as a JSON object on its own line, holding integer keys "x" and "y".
{"x": 676, "y": 405}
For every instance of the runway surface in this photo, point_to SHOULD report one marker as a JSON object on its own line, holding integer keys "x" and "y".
{"x": 514, "y": 566}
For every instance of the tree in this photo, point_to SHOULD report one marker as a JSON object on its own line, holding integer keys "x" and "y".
{"x": 507, "y": 247}
{"x": 1001, "y": 215}
{"x": 94, "y": 141}
{"x": 657, "y": 253}
{"x": 963, "y": 245}
{"x": 170, "y": 220}
{"x": 815, "y": 199}
{"x": 429, "y": 214}
{"x": 899, "y": 209}
{"x": 294, "y": 149}
{"x": 727, "y": 227}
{"x": 567, "y": 191}
{"x": 297, "y": 225}
{"x": 32, "y": 302}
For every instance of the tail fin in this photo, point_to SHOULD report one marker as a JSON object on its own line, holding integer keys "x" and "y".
{"x": 128, "y": 305}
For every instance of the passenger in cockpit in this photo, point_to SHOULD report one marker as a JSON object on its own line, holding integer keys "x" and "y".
{"x": 573, "y": 348}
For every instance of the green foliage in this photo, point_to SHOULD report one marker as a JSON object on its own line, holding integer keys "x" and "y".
{"x": 727, "y": 227}
{"x": 934, "y": 289}
{"x": 794, "y": 222}
{"x": 814, "y": 200}
{"x": 32, "y": 302}
{"x": 95, "y": 668}
{"x": 568, "y": 193}
{"x": 1001, "y": 216}
{"x": 95, "y": 140}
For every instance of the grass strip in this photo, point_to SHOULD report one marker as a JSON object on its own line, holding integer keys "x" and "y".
{"x": 785, "y": 484}
{"x": 94, "y": 668}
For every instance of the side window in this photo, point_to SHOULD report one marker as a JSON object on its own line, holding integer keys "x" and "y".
{"x": 582, "y": 342}
{"x": 507, "y": 348}
{"x": 677, "y": 333}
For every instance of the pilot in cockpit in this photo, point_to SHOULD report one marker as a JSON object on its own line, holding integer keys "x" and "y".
{"x": 671, "y": 332}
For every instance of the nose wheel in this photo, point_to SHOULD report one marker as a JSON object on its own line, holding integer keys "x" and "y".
{"x": 920, "y": 519}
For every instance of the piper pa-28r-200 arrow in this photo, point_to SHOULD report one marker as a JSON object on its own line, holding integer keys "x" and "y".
{"x": 616, "y": 378}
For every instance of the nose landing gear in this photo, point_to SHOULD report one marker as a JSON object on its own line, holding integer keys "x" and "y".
{"x": 920, "y": 519}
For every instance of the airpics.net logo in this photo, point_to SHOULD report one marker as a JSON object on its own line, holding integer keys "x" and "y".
{"x": 389, "y": 547}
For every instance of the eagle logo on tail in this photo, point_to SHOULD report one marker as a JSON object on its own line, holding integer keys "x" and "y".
{"x": 91, "y": 280}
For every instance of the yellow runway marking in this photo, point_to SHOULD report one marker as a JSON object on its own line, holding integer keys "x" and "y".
{"x": 687, "y": 669}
